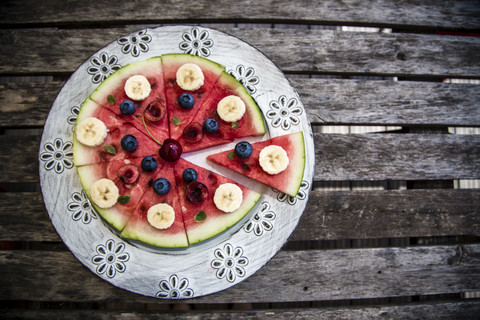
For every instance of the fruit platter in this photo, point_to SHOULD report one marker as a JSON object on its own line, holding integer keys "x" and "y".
{"x": 176, "y": 161}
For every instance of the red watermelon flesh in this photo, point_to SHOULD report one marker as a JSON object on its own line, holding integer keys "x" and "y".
{"x": 171, "y": 63}
{"x": 110, "y": 94}
{"x": 118, "y": 215}
{"x": 217, "y": 221}
{"x": 138, "y": 227}
{"x": 287, "y": 181}
{"x": 251, "y": 124}
{"x": 87, "y": 155}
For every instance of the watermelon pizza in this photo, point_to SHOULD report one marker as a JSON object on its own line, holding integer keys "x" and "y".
{"x": 130, "y": 135}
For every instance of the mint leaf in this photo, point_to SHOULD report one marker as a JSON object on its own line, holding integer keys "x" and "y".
{"x": 200, "y": 216}
{"x": 235, "y": 125}
{"x": 110, "y": 149}
{"x": 123, "y": 199}
{"x": 176, "y": 121}
{"x": 111, "y": 100}
{"x": 231, "y": 155}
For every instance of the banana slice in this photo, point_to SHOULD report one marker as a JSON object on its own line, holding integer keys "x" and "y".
{"x": 104, "y": 193}
{"x": 228, "y": 197}
{"x": 91, "y": 131}
{"x": 137, "y": 87}
{"x": 273, "y": 159}
{"x": 161, "y": 216}
{"x": 190, "y": 77}
{"x": 231, "y": 108}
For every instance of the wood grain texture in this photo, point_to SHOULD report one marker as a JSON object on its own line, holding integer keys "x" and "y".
{"x": 25, "y": 151}
{"x": 289, "y": 276}
{"x": 396, "y": 156}
{"x": 389, "y": 102}
{"x": 308, "y": 51}
{"x": 332, "y": 215}
{"x": 425, "y": 311}
{"x": 19, "y": 98}
{"x": 337, "y": 157}
{"x": 337, "y": 215}
{"x": 444, "y": 14}
{"x": 327, "y": 101}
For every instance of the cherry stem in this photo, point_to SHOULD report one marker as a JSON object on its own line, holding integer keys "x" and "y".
{"x": 145, "y": 125}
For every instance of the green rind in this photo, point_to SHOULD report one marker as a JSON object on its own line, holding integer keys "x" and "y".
{"x": 87, "y": 109}
{"x": 250, "y": 103}
{"x": 219, "y": 224}
{"x": 185, "y": 57}
{"x": 300, "y": 166}
{"x": 113, "y": 216}
{"x": 167, "y": 241}
{"x": 100, "y": 94}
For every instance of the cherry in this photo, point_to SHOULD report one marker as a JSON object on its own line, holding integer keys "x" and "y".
{"x": 171, "y": 150}
{"x": 193, "y": 132}
{"x": 128, "y": 173}
{"x": 155, "y": 111}
{"x": 196, "y": 192}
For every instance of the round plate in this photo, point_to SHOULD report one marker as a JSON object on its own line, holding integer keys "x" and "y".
{"x": 213, "y": 265}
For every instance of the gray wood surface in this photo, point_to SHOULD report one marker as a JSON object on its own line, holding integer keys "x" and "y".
{"x": 396, "y": 156}
{"x": 327, "y": 101}
{"x": 425, "y": 311}
{"x": 54, "y": 51}
{"x": 330, "y": 215}
{"x": 302, "y": 276}
{"x": 428, "y": 13}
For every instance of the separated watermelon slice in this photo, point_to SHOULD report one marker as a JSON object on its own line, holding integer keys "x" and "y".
{"x": 111, "y": 93}
{"x": 251, "y": 124}
{"x": 204, "y": 220}
{"x": 287, "y": 181}
{"x": 119, "y": 214}
{"x": 178, "y": 116}
{"x": 138, "y": 227}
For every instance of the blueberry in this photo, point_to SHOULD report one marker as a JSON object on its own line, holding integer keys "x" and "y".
{"x": 161, "y": 186}
{"x": 189, "y": 175}
{"x": 149, "y": 164}
{"x": 210, "y": 125}
{"x": 129, "y": 143}
{"x": 127, "y": 107}
{"x": 186, "y": 101}
{"x": 243, "y": 149}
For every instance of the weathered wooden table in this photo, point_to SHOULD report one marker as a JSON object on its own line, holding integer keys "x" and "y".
{"x": 392, "y": 226}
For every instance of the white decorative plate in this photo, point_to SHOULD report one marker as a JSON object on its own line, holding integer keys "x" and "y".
{"x": 213, "y": 265}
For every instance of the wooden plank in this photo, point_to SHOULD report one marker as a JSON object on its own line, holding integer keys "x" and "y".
{"x": 31, "y": 223}
{"x": 26, "y": 104}
{"x": 336, "y": 215}
{"x": 54, "y": 51}
{"x": 461, "y": 14}
{"x": 330, "y": 215}
{"x": 425, "y": 311}
{"x": 303, "y": 276}
{"x": 326, "y": 101}
{"x": 396, "y": 156}
{"x": 338, "y": 157}
{"x": 330, "y": 101}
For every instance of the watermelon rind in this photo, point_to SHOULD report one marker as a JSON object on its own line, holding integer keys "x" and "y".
{"x": 115, "y": 217}
{"x": 299, "y": 165}
{"x": 101, "y": 93}
{"x": 250, "y": 103}
{"x": 213, "y": 226}
{"x": 144, "y": 234}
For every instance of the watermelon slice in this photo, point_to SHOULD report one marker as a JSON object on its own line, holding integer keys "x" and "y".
{"x": 216, "y": 220}
{"x": 110, "y": 94}
{"x": 138, "y": 227}
{"x": 287, "y": 181}
{"x": 251, "y": 124}
{"x": 119, "y": 214}
{"x": 211, "y": 72}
